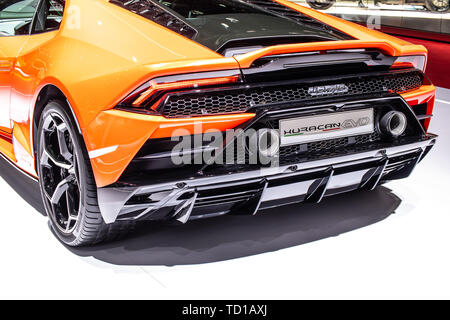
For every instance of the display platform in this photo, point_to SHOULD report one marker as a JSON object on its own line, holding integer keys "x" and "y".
{"x": 309, "y": 251}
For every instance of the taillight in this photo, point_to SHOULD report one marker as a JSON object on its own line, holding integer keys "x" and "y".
{"x": 154, "y": 89}
{"x": 405, "y": 62}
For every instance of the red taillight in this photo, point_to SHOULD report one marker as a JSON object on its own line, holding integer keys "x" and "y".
{"x": 155, "y": 86}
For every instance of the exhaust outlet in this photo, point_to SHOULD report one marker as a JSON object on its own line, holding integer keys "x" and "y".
{"x": 268, "y": 142}
{"x": 393, "y": 124}
{"x": 265, "y": 143}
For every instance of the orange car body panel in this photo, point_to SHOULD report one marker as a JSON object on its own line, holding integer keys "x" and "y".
{"x": 113, "y": 123}
{"x": 103, "y": 52}
{"x": 425, "y": 94}
{"x": 6, "y": 149}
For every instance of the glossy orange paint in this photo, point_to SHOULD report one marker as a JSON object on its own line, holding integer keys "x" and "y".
{"x": 102, "y": 53}
{"x": 6, "y": 149}
{"x": 366, "y": 38}
{"x": 422, "y": 95}
{"x": 389, "y": 48}
{"x": 99, "y": 55}
{"x": 357, "y": 31}
{"x": 425, "y": 94}
{"x": 113, "y": 123}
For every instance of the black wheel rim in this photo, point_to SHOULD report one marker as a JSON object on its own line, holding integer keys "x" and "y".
{"x": 59, "y": 174}
{"x": 321, "y": 4}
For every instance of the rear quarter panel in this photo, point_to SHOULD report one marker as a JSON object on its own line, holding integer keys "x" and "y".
{"x": 102, "y": 52}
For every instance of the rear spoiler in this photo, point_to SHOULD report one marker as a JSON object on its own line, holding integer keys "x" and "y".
{"x": 386, "y": 47}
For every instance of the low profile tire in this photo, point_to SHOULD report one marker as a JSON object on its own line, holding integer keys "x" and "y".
{"x": 321, "y": 4}
{"x": 67, "y": 183}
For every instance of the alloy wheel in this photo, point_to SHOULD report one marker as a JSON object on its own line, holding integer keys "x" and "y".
{"x": 439, "y": 5}
{"x": 59, "y": 172}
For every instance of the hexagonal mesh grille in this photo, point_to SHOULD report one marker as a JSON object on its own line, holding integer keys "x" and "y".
{"x": 240, "y": 100}
{"x": 327, "y": 147}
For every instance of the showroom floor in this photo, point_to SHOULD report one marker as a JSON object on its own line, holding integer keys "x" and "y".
{"x": 392, "y": 244}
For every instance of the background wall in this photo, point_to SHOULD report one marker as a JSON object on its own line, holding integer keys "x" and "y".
{"x": 413, "y": 23}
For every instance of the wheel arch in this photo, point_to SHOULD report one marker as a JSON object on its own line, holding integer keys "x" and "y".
{"x": 48, "y": 93}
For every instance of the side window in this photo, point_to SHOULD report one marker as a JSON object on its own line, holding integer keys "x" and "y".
{"x": 16, "y": 16}
{"x": 49, "y": 15}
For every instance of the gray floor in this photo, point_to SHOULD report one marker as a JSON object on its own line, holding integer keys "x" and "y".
{"x": 221, "y": 238}
{"x": 226, "y": 237}
{"x": 391, "y": 244}
{"x": 443, "y": 97}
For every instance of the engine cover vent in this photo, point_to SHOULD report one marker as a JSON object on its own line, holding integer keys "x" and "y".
{"x": 286, "y": 12}
{"x": 157, "y": 14}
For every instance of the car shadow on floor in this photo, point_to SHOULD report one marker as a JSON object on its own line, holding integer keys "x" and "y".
{"x": 230, "y": 237}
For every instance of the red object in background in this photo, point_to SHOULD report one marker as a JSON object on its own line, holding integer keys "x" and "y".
{"x": 438, "y": 45}
{"x": 438, "y": 68}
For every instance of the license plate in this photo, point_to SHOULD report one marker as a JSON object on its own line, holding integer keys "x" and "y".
{"x": 326, "y": 127}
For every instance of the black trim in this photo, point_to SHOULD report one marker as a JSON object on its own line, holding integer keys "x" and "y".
{"x": 158, "y": 14}
{"x": 32, "y": 30}
{"x": 245, "y": 196}
{"x": 142, "y": 168}
{"x": 209, "y": 32}
{"x": 420, "y": 111}
{"x": 24, "y": 184}
{"x": 331, "y": 63}
{"x": 381, "y": 105}
{"x": 294, "y": 15}
{"x": 248, "y": 96}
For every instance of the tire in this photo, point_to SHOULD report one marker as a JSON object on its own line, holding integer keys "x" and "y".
{"x": 438, "y": 6}
{"x": 67, "y": 182}
{"x": 321, "y": 4}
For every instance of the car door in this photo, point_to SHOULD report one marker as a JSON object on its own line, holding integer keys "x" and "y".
{"x": 15, "y": 22}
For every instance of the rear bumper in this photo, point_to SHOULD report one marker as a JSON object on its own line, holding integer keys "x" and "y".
{"x": 247, "y": 192}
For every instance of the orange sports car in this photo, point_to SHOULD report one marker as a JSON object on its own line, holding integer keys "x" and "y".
{"x": 131, "y": 110}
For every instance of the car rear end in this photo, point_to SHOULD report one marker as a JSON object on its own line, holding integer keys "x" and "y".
{"x": 299, "y": 117}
